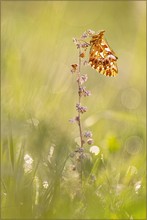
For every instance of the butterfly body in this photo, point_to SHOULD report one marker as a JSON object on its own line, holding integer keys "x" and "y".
{"x": 102, "y": 57}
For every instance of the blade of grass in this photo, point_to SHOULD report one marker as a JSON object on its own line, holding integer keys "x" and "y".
{"x": 11, "y": 145}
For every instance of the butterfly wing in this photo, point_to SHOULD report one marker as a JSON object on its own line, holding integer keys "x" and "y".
{"x": 102, "y": 57}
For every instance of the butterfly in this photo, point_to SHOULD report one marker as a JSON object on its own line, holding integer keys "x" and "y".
{"x": 101, "y": 56}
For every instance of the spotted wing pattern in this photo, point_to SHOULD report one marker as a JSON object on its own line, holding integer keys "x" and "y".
{"x": 102, "y": 57}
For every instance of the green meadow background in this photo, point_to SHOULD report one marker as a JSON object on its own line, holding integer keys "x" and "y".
{"x": 38, "y": 97}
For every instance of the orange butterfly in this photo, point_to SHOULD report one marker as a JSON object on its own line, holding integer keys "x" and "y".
{"x": 102, "y": 57}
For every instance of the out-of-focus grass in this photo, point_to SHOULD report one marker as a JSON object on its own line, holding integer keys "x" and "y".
{"x": 38, "y": 99}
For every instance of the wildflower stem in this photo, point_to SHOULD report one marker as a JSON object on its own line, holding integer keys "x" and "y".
{"x": 79, "y": 113}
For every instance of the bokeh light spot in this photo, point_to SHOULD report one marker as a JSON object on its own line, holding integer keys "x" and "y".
{"x": 131, "y": 98}
{"x": 94, "y": 150}
{"x": 28, "y": 162}
{"x": 133, "y": 144}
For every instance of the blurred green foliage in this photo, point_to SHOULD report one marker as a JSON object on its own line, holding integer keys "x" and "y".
{"x": 38, "y": 178}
